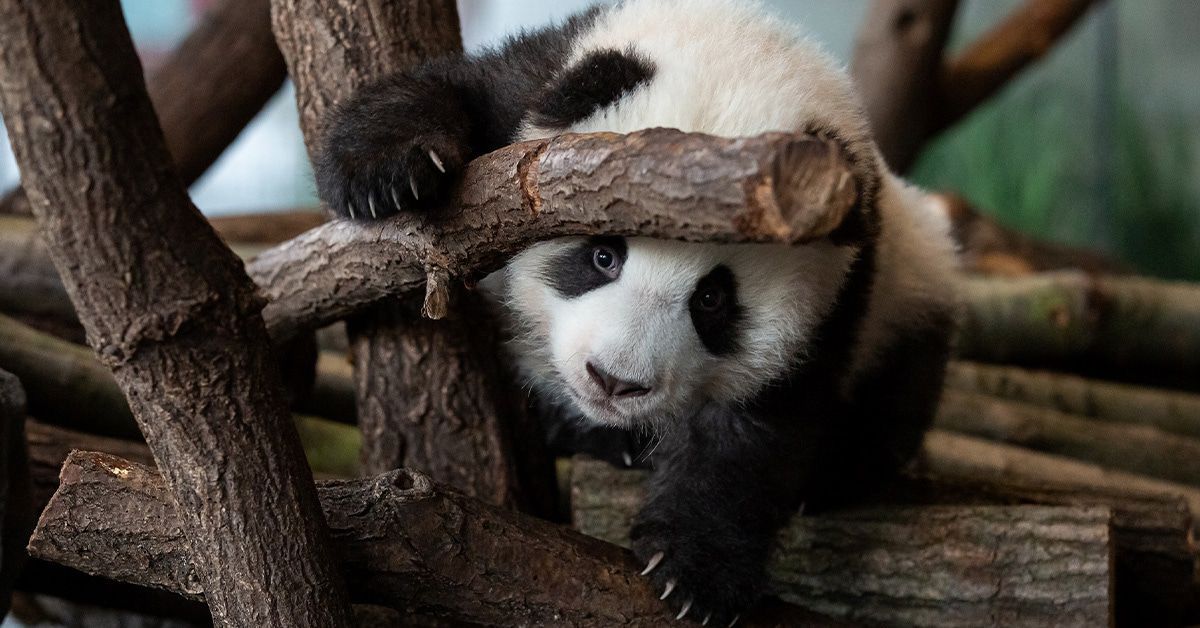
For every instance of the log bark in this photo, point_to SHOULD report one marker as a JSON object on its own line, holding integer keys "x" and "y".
{"x": 404, "y": 541}
{"x": 430, "y": 396}
{"x": 897, "y": 61}
{"x": 1155, "y": 559}
{"x": 1167, "y": 410}
{"x": 1124, "y": 328}
{"x": 16, "y": 510}
{"x": 976, "y": 73}
{"x": 955, "y": 455}
{"x": 169, "y": 309}
{"x": 1133, "y": 448}
{"x": 210, "y": 87}
{"x": 979, "y": 565}
{"x": 772, "y": 188}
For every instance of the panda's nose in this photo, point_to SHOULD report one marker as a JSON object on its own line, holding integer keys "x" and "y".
{"x": 614, "y": 386}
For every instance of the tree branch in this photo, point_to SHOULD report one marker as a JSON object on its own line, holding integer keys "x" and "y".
{"x": 210, "y": 87}
{"x": 169, "y": 309}
{"x": 404, "y": 542}
{"x": 658, "y": 183}
{"x": 991, "y": 61}
{"x": 896, "y": 65}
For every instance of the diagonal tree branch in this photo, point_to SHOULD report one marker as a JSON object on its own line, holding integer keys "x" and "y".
{"x": 209, "y": 88}
{"x": 657, "y": 183}
{"x": 404, "y": 541}
{"x": 169, "y": 309}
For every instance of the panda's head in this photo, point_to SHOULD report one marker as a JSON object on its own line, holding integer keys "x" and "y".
{"x": 637, "y": 332}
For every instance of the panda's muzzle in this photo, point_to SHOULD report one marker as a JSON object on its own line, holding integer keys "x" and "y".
{"x": 613, "y": 386}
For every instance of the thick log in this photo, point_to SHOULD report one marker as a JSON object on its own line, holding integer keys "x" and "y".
{"x": 266, "y": 227}
{"x": 1125, "y": 328}
{"x": 772, "y": 188}
{"x": 209, "y": 88}
{"x": 979, "y": 565}
{"x": 169, "y": 309}
{"x": 896, "y": 65}
{"x": 1167, "y": 410}
{"x": 980, "y": 70}
{"x": 404, "y": 541}
{"x": 1155, "y": 559}
{"x": 1134, "y": 448}
{"x": 955, "y": 455}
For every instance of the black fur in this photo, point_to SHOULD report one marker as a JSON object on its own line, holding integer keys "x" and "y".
{"x": 376, "y": 146}
{"x": 599, "y": 79}
{"x": 719, "y": 327}
{"x": 573, "y": 272}
{"x": 725, "y": 479}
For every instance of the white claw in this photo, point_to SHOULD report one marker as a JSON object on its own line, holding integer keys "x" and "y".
{"x": 687, "y": 606}
{"x": 627, "y": 458}
{"x": 654, "y": 561}
{"x": 395, "y": 197}
{"x": 371, "y": 204}
{"x": 437, "y": 161}
{"x": 412, "y": 185}
{"x": 350, "y": 206}
{"x": 667, "y": 591}
{"x": 706, "y": 618}
{"x": 734, "y": 621}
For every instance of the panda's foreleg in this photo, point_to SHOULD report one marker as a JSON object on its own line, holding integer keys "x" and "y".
{"x": 721, "y": 487}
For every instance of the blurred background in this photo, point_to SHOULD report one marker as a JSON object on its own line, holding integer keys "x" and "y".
{"x": 1096, "y": 145}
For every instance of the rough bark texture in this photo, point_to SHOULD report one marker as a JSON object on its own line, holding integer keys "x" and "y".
{"x": 1167, "y": 410}
{"x": 897, "y": 63}
{"x": 1155, "y": 558}
{"x": 404, "y": 542}
{"x": 771, "y": 188}
{"x": 169, "y": 309}
{"x": 1133, "y": 448}
{"x": 990, "y": 62}
{"x": 458, "y": 430}
{"x": 210, "y": 87}
{"x": 16, "y": 511}
{"x": 956, "y": 455}
{"x": 1125, "y": 328}
{"x": 978, "y": 565}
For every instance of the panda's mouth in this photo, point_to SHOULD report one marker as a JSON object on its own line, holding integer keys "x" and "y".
{"x": 622, "y": 413}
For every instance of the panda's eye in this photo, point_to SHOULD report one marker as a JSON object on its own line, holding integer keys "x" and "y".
{"x": 711, "y": 299}
{"x": 606, "y": 260}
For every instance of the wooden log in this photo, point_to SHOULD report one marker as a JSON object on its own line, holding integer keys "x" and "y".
{"x": 404, "y": 542}
{"x": 169, "y": 309}
{"x": 1125, "y": 328}
{"x": 266, "y": 227}
{"x": 896, "y": 64}
{"x": 1167, "y": 410}
{"x": 209, "y": 88}
{"x": 778, "y": 188}
{"x": 978, "y": 565}
{"x": 1133, "y": 448}
{"x": 955, "y": 455}
{"x": 1155, "y": 559}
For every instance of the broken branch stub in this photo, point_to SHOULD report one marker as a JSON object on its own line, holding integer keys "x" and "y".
{"x": 660, "y": 183}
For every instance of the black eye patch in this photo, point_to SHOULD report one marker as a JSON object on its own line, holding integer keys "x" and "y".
{"x": 716, "y": 313}
{"x": 586, "y": 266}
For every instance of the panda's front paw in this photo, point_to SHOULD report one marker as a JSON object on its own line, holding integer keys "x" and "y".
{"x": 708, "y": 576}
{"x": 375, "y": 180}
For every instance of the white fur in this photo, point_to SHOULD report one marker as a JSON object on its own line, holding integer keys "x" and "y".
{"x": 721, "y": 67}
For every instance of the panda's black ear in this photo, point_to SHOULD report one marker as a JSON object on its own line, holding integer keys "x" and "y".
{"x": 597, "y": 80}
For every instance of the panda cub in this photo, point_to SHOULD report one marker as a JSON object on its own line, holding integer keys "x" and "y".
{"x": 756, "y": 380}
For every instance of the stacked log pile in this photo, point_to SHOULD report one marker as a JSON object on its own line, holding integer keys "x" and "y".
{"x": 1060, "y": 486}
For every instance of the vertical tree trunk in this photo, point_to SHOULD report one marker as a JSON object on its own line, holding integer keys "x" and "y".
{"x": 896, "y": 67}
{"x": 431, "y": 395}
{"x": 169, "y": 309}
